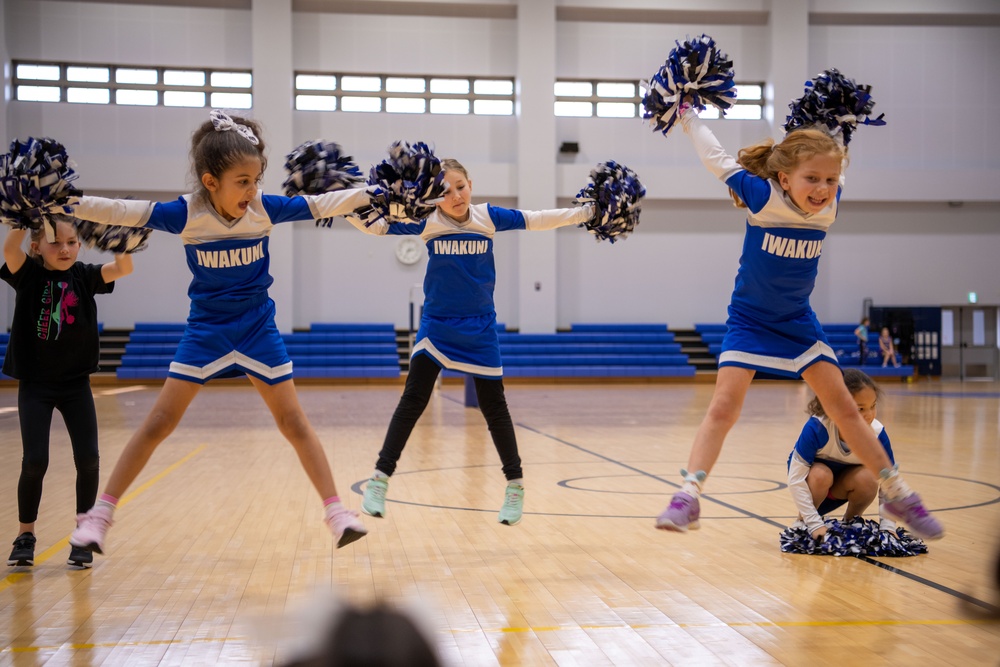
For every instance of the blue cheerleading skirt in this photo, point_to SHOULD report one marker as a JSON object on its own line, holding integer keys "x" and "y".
{"x": 784, "y": 348}
{"x": 465, "y": 344}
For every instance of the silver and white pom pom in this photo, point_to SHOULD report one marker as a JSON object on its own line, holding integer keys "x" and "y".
{"x": 407, "y": 185}
{"x": 857, "y": 537}
{"x": 616, "y": 192}
{"x": 117, "y": 239}
{"x": 696, "y": 72}
{"x": 35, "y": 183}
{"x": 835, "y": 104}
{"x": 315, "y": 167}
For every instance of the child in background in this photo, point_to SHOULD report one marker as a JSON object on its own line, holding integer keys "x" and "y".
{"x": 53, "y": 350}
{"x": 887, "y": 347}
{"x": 458, "y": 325}
{"x": 861, "y": 333}
{"x": 823, "y": 472}
{"x": 792, "y": 192}
{"x": 225, "y": 227}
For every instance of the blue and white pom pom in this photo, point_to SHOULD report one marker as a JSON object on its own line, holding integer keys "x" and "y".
{"x": 835, "y": 104}
{"x": 857, "y": 537}
{"x": 118, "y": 239}
{"x": 617, "y": 194}
{"x": 407, "y": 185}
{"x": 696, "y": 72}
{"x": 35, "y": 182}
{"x": 315, "y": 167}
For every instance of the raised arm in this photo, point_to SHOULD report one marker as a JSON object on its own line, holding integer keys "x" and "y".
{"x": 710, "y": 151}
{"x": 119, "y": 268}
{"x": 13, "y": 249}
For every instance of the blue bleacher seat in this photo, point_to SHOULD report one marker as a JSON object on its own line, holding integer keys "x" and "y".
{"x": 594, "y": 350}
{"x": 328, "y": 350}
{"x": 351, "y": 327}
{"x": 618, "y": 327}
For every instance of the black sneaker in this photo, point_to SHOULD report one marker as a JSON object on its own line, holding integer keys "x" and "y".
{"x": 24, "y": 550}
{"x": 80, "y": 557}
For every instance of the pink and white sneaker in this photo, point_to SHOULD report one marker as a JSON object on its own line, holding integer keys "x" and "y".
{"x": 92, "y": 528}
{"x": 911, "y": 511}
{"x": 345, "y": 526}
{"x": 681, "y": 515}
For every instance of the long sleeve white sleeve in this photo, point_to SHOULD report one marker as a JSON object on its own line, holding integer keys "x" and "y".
{"x": 535, "y": 221}
{"x": 710, "y": 151}
{"x": 798, "y": 470}
{"x": 338, "y": 203}
{"x": 124, "y": 212}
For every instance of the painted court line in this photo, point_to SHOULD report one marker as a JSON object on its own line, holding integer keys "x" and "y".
{"x": 119, "y": 390}
{"x": 889, "y": 568}
{"x": 14, "y": 577}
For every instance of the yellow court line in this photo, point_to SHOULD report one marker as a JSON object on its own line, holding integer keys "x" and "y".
{"x": 760, "y": 624}
{"x": 119, "y": 390}
{"x": 13, "y": 578}
{"x": 158, "y": 642}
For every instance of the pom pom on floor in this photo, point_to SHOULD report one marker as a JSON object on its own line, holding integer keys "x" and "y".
{"x": 315, "y": 167}
{"x": 35, "y": 182}
{"x": 835, "y": 104}
{"x": 118, "y": 239}
{"x": 407, "y": 185}
{"x": 617, "y": 194}
{"x": 857, "y": 537}
{"x": 696, "y": 72}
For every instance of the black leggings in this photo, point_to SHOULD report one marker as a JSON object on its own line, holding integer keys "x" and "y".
{"x": 419, "y": 387}
{"x": 35, "y": 403}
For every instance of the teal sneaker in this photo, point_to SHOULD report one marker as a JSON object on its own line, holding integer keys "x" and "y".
{"x": 374, "y": 499}
{"x": 513, "y": 504}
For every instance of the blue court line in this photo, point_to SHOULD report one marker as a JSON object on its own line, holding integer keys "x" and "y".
{"x": 909, "y": 575}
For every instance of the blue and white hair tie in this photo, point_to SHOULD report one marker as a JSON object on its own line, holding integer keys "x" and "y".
{"x": 223, "y": 123}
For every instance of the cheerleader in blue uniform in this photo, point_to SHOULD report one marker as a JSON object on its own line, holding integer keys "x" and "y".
{"x": 225, "y": 227}
{"x": 458, "y": 326}
{"x": 825, "y": 474}
{"x": 792, "y": 191}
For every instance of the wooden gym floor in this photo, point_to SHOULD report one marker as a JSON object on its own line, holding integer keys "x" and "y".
{"x": 221, "y": 541}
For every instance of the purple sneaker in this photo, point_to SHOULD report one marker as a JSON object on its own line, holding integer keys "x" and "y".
{"x": 682, "y": 514}
{"x": 911, "y": 511}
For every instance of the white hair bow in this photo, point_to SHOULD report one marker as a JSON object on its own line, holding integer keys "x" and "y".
{"x": 223, "y": 123}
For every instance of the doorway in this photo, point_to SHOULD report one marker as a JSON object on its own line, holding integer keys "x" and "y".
{"x": 969, "y": 342}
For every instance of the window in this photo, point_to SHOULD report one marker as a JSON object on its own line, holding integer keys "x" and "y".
{"x": 401, "y": 93}
{"x": 130, "y": 85}
{"x": 623, "y": 99}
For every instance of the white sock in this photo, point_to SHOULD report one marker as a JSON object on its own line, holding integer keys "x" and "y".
{"x": 378, "y": 474}
{"x": 692, "y": 482}
{"x": 519, "y": 481}
{"x": 895, "y": 487}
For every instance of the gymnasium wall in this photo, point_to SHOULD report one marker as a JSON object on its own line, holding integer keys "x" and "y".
{"x": 897, "y": 240}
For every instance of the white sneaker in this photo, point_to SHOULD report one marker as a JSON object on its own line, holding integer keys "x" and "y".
{"x": 345, "y": 525}
{"x": 92, "y": 528}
